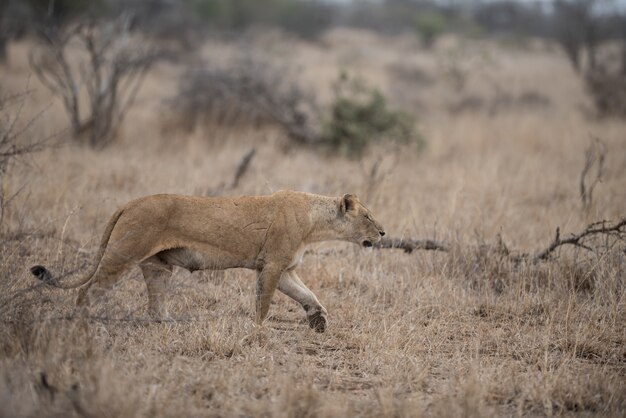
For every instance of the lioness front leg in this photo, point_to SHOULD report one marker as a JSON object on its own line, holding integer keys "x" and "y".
{"x": 267, "y": 280}
{"x": 291, "y": 285}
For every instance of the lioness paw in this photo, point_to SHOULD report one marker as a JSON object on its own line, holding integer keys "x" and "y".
{"x": 317, "y": 321}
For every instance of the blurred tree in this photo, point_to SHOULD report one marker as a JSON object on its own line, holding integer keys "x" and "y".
{"x": 429, "y": 26}
{"x": 59, "y": 12}
{"x": 577, "y": 29}
{"x": 512, "y": 17}
{"x": 305, "y": 18}
{"x": 111, "y": 75}
{"x": 18, "y": 17}
{"x": 593, "y": 35}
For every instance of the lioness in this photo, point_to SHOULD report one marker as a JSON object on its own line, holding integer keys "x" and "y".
{"x": 266, "y": 233}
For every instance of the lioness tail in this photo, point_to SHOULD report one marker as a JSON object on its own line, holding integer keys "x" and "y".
{"x": 43, "y": 274}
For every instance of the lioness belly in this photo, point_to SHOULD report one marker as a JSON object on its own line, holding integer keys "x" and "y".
{"x": 210, "y": 258}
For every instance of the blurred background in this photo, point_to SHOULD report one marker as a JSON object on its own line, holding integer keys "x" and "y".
{"x": 392, "y": 99}
{"x": 313, "y": 66}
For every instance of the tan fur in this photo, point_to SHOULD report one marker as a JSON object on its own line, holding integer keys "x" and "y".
{"x": 265, "y": 233}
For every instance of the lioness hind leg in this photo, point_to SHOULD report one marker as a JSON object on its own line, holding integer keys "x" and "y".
{"x": 291, "y": 285}
{"x": 109, "y": 272}
{"x": 156, "y": 274}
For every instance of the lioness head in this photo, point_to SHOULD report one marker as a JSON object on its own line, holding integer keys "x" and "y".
{"x": 360, "y": 226}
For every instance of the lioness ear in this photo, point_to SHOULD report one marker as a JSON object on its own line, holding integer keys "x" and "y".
{"x": 348, "y": 203}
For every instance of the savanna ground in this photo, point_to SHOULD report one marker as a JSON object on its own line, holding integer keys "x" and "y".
{"x": 437, "y": 334}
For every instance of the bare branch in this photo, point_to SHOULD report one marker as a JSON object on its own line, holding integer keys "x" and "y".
{"x": 243, "y": 166}
{"x": 409, "y": 245}
{"x": 595, "y": 154}
{"x": 593, "y": 229}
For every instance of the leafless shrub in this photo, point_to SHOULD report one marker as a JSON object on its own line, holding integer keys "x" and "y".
{"x": 594, "y": 156}
{"x": 584, "y": 31}
{"x": 249, "y": 90}
{"x": 608, "y": 88}
{"x": 492, "y": 266}
{"x": 111, "y": 69}
{"x": 577, "y": 30}
{"x": 17, "y": 141}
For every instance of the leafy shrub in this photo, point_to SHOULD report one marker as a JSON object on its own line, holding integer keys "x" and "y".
{"x": 429, "y": 25}
{"x": 360, "y": 116}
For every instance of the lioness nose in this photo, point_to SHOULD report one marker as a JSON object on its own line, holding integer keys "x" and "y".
{"x": 382, "y": 233}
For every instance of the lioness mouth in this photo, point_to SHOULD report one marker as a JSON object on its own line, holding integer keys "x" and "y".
{"x": 367, "y": 243}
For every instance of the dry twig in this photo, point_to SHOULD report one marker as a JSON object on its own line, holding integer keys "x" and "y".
{"x": 408, "y": 245}
{"x": 594, "y": 155}
{"x": 617, "y": 230}
{"x": 242, "y": 167}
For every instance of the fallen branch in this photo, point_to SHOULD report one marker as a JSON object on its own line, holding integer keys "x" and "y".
{"x": 408, "y": 245}
{"x": 617, "y": 230}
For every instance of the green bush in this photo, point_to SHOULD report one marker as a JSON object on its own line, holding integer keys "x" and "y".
{"x": 429, "y": 25}
{"x": 360, "y": 116}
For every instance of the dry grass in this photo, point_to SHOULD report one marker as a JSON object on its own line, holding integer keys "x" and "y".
{"x": 465, "y": 333}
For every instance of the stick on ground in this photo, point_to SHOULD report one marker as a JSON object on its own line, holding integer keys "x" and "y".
{"x": 408, "y": 245}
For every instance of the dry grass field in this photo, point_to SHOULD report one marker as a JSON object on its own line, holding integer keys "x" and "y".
{"x": 464, "y": 333}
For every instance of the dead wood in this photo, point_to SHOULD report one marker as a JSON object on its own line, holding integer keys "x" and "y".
{"x": 595, "y": 154}
{"x": 617, "y": 230}
{"x": 408, "y": 245}
{"x": 242, "y": 167}
{"x": 601, "y": 228}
